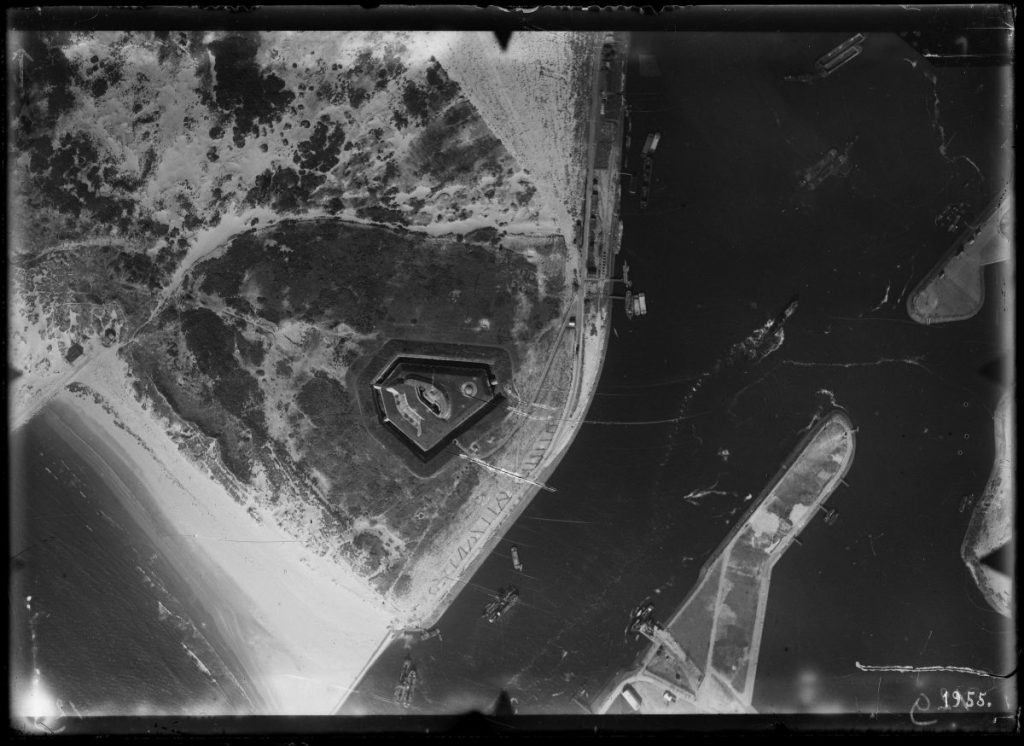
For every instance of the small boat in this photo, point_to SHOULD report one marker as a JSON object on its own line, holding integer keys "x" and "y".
{"x": 430, "y": 634}
{"x": 406, "y": 683}
{"x": 791, "y": 307}
{"x": 516, "y": 564}
{"x": 503, "y": 601}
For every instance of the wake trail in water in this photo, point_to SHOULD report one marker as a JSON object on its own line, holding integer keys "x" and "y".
{"x": 758, "y": 345}
{"x": 938, "y": 129}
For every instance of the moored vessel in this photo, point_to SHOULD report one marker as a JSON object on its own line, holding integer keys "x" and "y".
{"x": 516, "y": 563}
{"x": 406, "y": 683}
{"x": 503, "y": 601}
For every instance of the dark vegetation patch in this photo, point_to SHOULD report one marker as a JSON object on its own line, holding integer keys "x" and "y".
{"x": 285, "y": 189}
{"x": 48, "y": 91}
{"x": 233, "y": 418}
{"x": 210, "y": 340}
{"x": 70, "y": 179}
{"x": 488, "y": 234}
{"x": 324, "y": 401}
{"x": 171, "y": 254}
{"x": 374, "y": 273}
{"x": 323, "y": 272}
{"x": 356, "y": 96}
{"x": 442, "y": 151}
{"x": 425, "y": 100}
{"x": 239, "y": 393}
{"x": 213, "y": 343}
{"x": 403, "y": 585}
{"x": 524, "y": 197}
{"x": 391, "y": 172}
{"x": 380, "y": 214}
{"x": 542, "y": 313}
{"x": 243, "y": 89}
{"x": 322, "y": 150}
{"x": 252, "y": 352}
{"x": 459, "y": 113}
{"x": 369, "y": 551}
{"x": 138, "y": 269}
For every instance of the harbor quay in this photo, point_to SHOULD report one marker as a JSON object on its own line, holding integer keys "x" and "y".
{"x": 703, "y": 659}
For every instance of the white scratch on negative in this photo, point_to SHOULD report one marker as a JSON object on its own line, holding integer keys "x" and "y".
{"x": 928, "y": 669}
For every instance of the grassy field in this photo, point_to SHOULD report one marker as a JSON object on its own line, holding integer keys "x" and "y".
{"x": 267, "y": 348}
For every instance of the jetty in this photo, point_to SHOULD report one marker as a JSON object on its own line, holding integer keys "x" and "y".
{"x": 704, "y": 658}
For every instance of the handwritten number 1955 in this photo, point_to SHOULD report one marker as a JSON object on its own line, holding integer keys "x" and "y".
{"x": 971, "y": 699}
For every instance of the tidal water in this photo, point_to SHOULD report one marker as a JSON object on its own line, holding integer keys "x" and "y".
{"x": 727, "y": 241}
{"x": 725, "y": 244}
{"x": 97, "y": 615}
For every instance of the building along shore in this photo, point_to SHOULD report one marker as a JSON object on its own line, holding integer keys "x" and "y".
{"x": 704, "y": 658}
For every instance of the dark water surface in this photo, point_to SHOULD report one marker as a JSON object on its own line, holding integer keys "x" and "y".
{"x": 110, "y": 629}
{"x": 725, "y": 244}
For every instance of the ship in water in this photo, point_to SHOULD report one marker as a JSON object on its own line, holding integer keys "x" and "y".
{"x": 503, "y": 601}
{"x": 645, "y": 190}
{"x": 636, "y": 304}
{"x": 789, "y": 309}
{"x": 430, "y": 634}
{"x": 832, "y": 60}
{"x": 831, "y": 164}
{"x": 517, "y": 565}
{"x": 954, "y": 217}
{"x": 406, "y": 683}
{"x": 651, "y": 143}
{"x": 641, "y": 619}
{"x": 839, "y": 56}
{"x": 768, "y": 338}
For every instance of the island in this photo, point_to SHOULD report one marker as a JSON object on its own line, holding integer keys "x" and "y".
{"x": 329, "y": 307}
{"x": 703, "y": 659}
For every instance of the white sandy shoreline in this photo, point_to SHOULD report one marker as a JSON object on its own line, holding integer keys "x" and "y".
{"x": 301, "y": 627}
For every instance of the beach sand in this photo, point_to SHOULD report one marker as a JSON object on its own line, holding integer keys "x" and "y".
{"x": 302, "y": 628}
{"x": 992, "y": 520}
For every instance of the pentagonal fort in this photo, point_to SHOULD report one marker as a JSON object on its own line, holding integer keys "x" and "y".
{"x": 428, "y": 402}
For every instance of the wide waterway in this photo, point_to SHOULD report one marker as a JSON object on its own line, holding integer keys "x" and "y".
{"x": 725, "y": 244}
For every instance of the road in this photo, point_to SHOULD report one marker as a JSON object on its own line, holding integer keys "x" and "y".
{"x": 567, "y": 420}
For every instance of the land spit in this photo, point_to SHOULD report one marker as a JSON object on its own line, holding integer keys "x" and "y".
{"x": 954, "y": 289}
{"x": 704, "y": 658}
